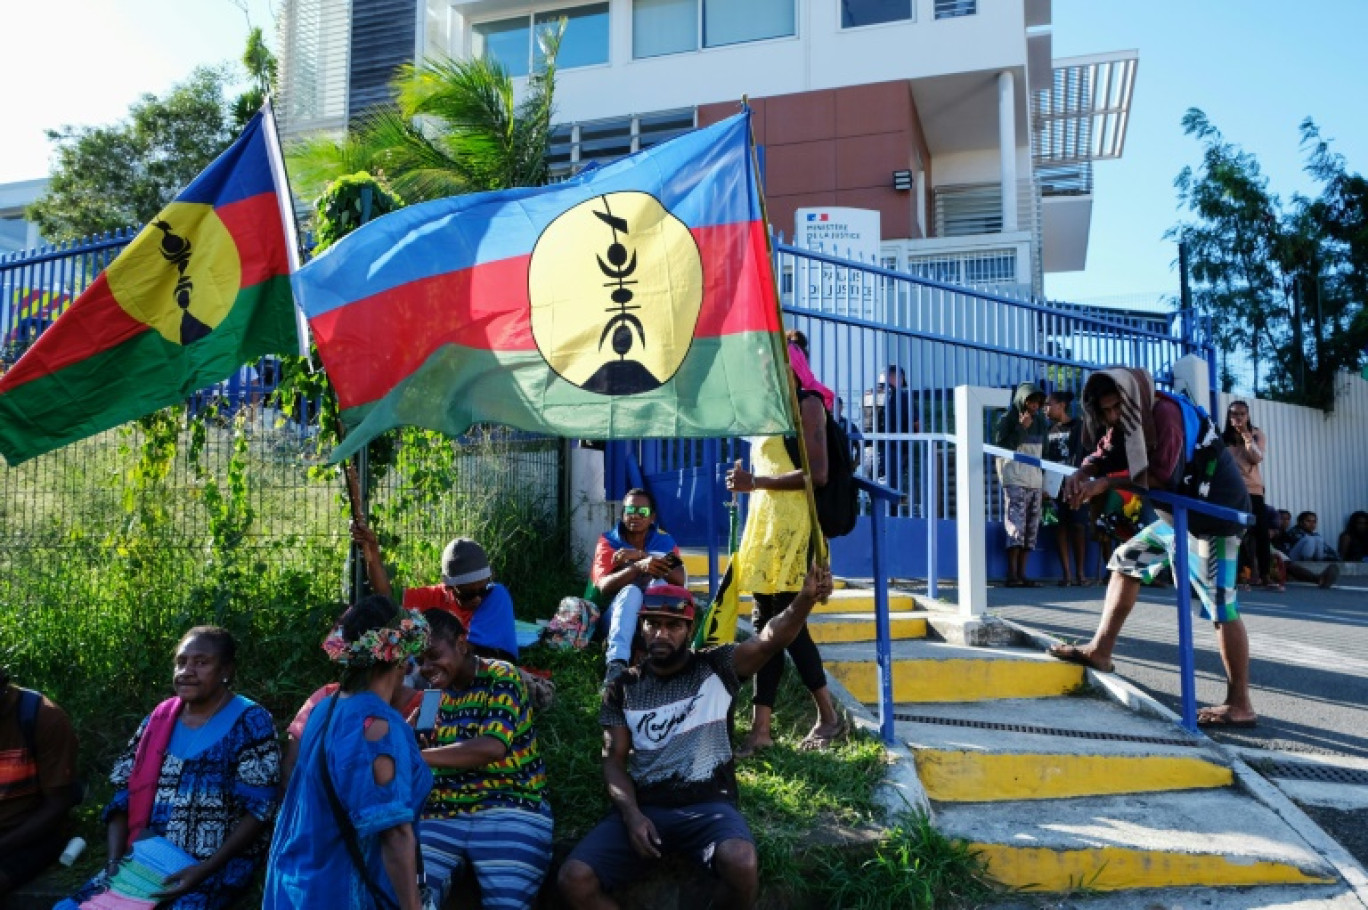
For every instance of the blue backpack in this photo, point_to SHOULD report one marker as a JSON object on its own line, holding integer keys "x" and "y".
{"x": 1202, "y": 448}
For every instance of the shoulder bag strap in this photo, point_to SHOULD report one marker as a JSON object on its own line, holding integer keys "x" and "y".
{"x": 344, "y": 824}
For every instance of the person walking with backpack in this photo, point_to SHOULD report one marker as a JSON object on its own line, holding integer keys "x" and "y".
{"x": 773, "y": 561}
{"x": 1164, "y": 442}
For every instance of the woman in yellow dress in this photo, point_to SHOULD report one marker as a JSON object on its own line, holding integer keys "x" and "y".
{"x": 773, "y": 561}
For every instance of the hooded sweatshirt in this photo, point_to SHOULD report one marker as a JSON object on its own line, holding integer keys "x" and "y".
{"x": 1010, "y": 434}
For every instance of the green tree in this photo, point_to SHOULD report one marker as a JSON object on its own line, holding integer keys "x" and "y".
{"x": 457, "y": 127}
{"x": 108, "y": 177}
{"x": 1281, "y": 281}
{"x": 262, "y": 67}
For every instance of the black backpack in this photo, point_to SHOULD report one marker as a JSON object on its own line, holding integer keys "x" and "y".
{"x": 838, "y": 500}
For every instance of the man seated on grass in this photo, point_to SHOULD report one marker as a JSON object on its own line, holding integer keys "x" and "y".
{"x": 667, "y": 756}
{"x": 468, "y": 592}
{"x": 37, "y": 783}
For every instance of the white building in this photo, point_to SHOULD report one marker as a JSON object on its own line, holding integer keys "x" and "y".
{"x": 949, "y": 117}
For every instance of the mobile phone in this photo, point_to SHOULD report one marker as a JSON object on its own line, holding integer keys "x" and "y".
{"x": 672, "y": 560}
{"x": 427, "y": 712}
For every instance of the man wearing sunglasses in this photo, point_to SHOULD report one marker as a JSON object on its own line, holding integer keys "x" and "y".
{"x": 468, "y": 592}
{"x": 627, "y": 561}
{"x": 667, "y": 755}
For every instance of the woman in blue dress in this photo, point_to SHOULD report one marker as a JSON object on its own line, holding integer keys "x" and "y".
{"x": 201, "y": 773}
{"x": 355, "y": 847}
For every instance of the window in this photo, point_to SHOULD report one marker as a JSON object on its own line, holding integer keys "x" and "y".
{"x": 674, "y": 26}
{"x": 516, "y": 43}
{"x": 574, "y": 145}
{"x": 855, "y": 13}
{"x": 953, "y": 9}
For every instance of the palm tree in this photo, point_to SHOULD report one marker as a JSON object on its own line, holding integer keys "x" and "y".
{"x": 457, "y": 128}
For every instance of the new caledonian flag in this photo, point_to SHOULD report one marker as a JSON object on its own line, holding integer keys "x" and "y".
{"x": 635, "y": 300}
{"x": 200, "y": 291}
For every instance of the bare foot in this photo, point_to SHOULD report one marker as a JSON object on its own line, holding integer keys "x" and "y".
{"x": 754, "y": 743}
{"x": 823, "y": 736}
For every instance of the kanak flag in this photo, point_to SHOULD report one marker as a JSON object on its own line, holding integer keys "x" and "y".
{"x": 200, "y": 291}
{"x": 634, "y": 300}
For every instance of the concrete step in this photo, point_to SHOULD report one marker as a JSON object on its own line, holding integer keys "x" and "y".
{"x": 926, "y": 671}
{"x": 1048, "y": 748}
{"x": 842, "y": 600}
{"x": 1267, "y": 897}
{"x": 836, "y": 628}
{"x": 1207, "y": 838}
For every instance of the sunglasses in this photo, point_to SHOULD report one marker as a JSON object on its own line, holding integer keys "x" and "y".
{"x": 467, "y": 596}
{"x": 643, "y": 511}
{"x": 673, "y": 608}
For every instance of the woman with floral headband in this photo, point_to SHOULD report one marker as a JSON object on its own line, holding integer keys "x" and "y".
{"x": 346, "y": 835}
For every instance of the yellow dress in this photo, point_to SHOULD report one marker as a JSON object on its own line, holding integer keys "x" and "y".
{"x": 774, "y": 548}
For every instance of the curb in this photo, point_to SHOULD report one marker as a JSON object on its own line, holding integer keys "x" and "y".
{"x": 901, "y": 791}
{"x": 1124, "y": 693}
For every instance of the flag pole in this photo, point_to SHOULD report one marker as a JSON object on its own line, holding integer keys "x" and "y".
{"x": 817, "y": 544}
{"x": 275, "y": 154}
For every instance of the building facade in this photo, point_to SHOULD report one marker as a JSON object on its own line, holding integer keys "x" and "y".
{"x": 950, "y": 118}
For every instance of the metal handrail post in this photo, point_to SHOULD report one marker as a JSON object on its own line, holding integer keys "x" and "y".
{"x": 712, "y": 450}
{"x": 880, "y": 496}
{"x": 932, "y": 524}
{"x": 1187, "y": 669}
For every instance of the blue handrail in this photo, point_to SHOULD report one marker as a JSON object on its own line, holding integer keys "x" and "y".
{"x": 880, "y": 497}
{"x": 1180, "y": 505}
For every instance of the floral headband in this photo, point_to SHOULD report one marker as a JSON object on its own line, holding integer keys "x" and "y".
{"x": 379, "y": 646}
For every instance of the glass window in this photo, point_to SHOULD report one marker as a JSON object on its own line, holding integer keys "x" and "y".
{"x": 855, "y": 13}
{"x": 730, "y": 22}
{"x": 506, "y": 41}
{"x": 953, "y": 9}
{"x": 510, "y": 41}
{"x": 664, "y": 27}
{"x": 585, "y": 42}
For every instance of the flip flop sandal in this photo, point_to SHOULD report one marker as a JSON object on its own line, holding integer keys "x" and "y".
{"x": 1072, "y": 655}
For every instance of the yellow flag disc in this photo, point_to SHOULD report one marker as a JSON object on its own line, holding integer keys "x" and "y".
{"x": 616, "y": 286}
{"x": 180, "y": 275}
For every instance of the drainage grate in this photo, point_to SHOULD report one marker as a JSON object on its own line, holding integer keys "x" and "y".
{"x": 1295, "y": 770}
{"x": 1047, "y": 731}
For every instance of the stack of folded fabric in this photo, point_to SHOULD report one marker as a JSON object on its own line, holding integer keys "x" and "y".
{"x": 142, "y": 875}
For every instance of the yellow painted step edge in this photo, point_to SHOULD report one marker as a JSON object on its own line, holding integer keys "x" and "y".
{"x": 1117, "y": 869}
{"x": 960, "y": 680}
{"x": 956, "y": 776}
{"x": 855, "y": 630}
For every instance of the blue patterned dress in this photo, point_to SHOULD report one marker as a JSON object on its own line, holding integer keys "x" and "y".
{"x": 210, "y": 778}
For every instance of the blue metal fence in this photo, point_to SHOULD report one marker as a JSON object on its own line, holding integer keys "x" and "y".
{"x": 865, "y": 323}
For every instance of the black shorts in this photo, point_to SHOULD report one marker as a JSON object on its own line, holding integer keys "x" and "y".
{"x": 692, "y": 830}
{"x": 23, "y": 864}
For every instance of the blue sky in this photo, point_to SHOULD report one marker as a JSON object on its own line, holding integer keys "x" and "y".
{"x": 1257, "y": 67}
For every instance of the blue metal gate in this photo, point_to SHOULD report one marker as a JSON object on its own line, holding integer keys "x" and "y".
{"x": 865, "y": 324}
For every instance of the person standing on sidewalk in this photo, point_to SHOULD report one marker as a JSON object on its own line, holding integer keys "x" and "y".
{"x": 1248, "y": 445}
{"x": 1064, "y": 445}
{"x": 1021, "y": 429}
{"x": 1143, "y": 439}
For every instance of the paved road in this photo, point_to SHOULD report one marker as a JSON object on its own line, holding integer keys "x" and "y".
{"x": 1309, "y": 664}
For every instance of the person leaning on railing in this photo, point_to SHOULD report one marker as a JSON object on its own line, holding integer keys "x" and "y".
{"x": 1141, "y": 439}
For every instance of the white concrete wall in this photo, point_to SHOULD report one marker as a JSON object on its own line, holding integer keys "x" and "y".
{"x": 822, "y": 55}
{"x": 1316, "y": 462}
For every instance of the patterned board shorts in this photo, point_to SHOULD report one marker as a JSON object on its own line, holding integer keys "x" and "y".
{"x": 1021, "y": 515}
{"x": 1212, "y": 566}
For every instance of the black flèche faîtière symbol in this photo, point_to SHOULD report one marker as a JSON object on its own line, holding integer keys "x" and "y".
{"x": 177, "y": 251}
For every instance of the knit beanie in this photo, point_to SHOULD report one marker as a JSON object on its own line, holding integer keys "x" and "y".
{"x": 464, "y": 561}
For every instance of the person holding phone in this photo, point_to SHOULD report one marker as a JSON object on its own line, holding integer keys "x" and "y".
{"x": 628, "y": 560}
{"x": 487, "y": 811}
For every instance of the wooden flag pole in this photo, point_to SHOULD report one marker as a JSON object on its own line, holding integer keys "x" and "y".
{"x": 817, "y": 544}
